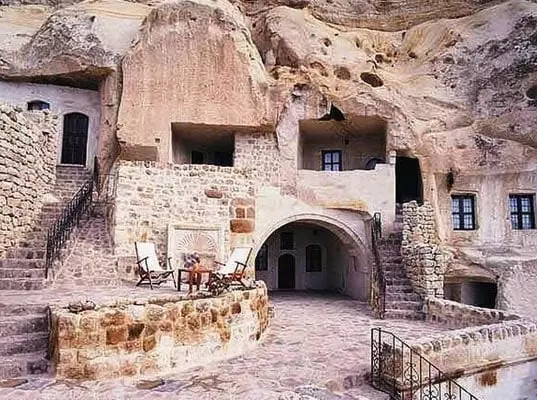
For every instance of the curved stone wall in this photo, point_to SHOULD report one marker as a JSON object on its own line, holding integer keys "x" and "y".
{"x": 157, "y": 335}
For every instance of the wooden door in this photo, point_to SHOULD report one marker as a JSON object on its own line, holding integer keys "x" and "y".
{"x": 75, "y": 139}
{"x": 286, "y": 272}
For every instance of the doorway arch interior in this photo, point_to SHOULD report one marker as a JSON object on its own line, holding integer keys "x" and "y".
{"x": 75, "y": 138}
{"x": 309, "y": 254}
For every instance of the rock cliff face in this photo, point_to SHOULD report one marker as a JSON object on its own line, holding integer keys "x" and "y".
{"x": 455, "y": 80}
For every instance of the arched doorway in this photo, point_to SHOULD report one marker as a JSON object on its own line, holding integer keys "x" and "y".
{"x": 286, "y": 271}
{"x": 408, "y": 182}
{"x": 75, "y": 139}
{"x": 313, "y": 254}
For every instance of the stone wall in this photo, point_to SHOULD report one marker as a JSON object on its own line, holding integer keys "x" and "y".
{"x": 140, "y": 338}
{"x": 27, "y": 169}
{"x": 259, "y": 151}
{"x": 452, "y": 313}
{"x": 151, "y": 197}
{"x": 423, "y": 258}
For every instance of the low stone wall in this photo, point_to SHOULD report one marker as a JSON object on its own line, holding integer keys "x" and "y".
{"x": 423, "y": 258}
{"x": 158, "y": 335}
{"x": 469, "y": 350}
{"x": 454, "y": 314}
{"x": 28, "y": 145}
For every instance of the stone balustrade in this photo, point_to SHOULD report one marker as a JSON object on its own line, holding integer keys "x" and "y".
{"x": 161, "y": 334}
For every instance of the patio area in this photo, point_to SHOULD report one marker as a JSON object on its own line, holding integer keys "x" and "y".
{"x": 317, "y": 347}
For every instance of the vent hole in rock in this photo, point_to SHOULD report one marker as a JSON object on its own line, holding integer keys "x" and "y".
{"x": 371, "y": 79}
{"x": 327, "y": 42}
{"x": 531, "y": 93}
{"x": 342, "y": 73}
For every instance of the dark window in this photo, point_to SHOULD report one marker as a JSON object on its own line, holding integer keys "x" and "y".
{"x": 38, "y": 105}
{"x": 261, "y": 260}
{"x": 331, "y": 160}
{"x": 197, "y": 157}
{"x": 287, "y": 241}
{"x": 314, "y": 258}
{"x": 522, "y": 214}
{"x": 463, "y": 212}
{"x": 223, "y": 159}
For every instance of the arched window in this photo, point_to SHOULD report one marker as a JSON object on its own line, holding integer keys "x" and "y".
{"x": 372, "y": 163}
{"x": 38, "y": 105}
{"x": 314, "y": 258}
{"x": 261, "y": 260}
{"x": 75, "y": 138}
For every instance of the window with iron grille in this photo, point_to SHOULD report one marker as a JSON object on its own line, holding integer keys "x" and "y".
{"x": 332, "y": 160}
{"x": 314, "y": 258}
{"x": 287, "y": 241}
{"x": 38, "y": 105}
{"x": 522, "y": 211}
{"x": 261, "y": 260}
{"x": 463, "y": 212}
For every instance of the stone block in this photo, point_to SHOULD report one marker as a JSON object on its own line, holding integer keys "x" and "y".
{"x": 242, "y": 225}
{"x": 116, "y": 334}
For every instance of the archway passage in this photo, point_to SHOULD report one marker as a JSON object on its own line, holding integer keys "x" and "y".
{"x": 408, "y": 182}
{"x": 313, "y": 255}
{"x": 75, "y": 139}
{"x": 286, "y": 271}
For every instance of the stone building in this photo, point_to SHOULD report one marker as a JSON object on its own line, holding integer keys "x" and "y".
{"x": 285, "y": 132}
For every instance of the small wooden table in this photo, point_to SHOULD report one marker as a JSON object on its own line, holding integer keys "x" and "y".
{"x": 191, "y": 277}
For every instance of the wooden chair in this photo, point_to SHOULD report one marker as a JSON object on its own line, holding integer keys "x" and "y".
{"x": 149, "y": 268}
{"x": 230, "y": 272}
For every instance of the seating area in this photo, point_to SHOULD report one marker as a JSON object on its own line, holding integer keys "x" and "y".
{"x": 215, "y": 279}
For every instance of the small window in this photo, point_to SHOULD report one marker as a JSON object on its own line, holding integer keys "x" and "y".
{"x": 197, "y": 157}
{"x": 463, "y": 212}
{"x": 314, "y": 258}
{"x": 287, "y": 241}
{"x": 261, "y": 260}
{"x": 38, "y": 105}
{"x": 522, "y": 213}
{"x": 331, "y": 160}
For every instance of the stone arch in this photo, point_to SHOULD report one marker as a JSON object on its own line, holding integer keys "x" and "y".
{"x": 343, "y": 232}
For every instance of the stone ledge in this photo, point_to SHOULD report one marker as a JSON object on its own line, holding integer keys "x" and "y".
{"x": 143, "y": 337}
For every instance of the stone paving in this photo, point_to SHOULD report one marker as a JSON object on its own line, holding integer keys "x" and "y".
{"x": 316, "y": 348}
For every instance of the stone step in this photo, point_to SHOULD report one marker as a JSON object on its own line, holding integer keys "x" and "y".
{"x": 22, "y": 263}
{"x": 398, "y": 281}
{"x": 10, "y": 326}
{"x": 9, "y": 310}
{"x": 24, "y": 364}
{"x": 20, "y": 273}
{"x": 411, "y": 296}
{"x": 25, "y": 343}
{"x": 404, "y": 305}
{"x": 399, "y": 289}
{"x": 22, "y": 284}
{"x": 404, "y": 314}
{"x": 24, "y": 253}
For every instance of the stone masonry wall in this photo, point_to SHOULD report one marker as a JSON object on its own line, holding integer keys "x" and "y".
{"x": 151, "y": 196}
{"x": 422, "y": 256}
{"x": 28, "y": 148}
{"x": 259, "y": 151}
{"x": 146, "y": 337}
{"x": 454, "y": 314}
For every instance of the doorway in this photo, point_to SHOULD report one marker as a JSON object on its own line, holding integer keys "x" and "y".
{"x": 75, "y": 139}
{"x": 408, "y": 183}
{"x": 286, "y": 271}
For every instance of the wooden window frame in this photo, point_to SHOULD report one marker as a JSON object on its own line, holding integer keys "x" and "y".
{"x": 282, "y": 247}
{"x": 331, "y": 163}
{"x": 519, "y": 213}
{"x": 310, "y": 265}
{"x": 461, "y": 213}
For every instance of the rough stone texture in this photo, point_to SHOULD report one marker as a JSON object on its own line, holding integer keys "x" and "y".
{"x": 27, "y": 169}
{"x": 423, "y": 258}
{"x": 455, "y": 314}
{"x": 316, "y": 343}
{"x": 259, "y": 151}
{"x": 138, "y": 339}
{"x": 150, "y": 197}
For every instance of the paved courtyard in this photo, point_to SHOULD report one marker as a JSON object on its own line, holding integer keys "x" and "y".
{"x": 316, "y": 348}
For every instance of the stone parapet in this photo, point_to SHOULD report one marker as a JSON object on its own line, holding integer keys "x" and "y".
{"x": 28, "y": 147}
{"x": 454, "y": 314}
{"x": 156, "y": 335}
{"x": 423, "y": 257}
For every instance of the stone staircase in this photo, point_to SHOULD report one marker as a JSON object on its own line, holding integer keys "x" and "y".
{"x": 23, "y": 268}
{"x": 401, "y": 300}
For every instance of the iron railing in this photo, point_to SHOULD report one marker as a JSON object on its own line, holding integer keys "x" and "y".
{"x": 400, "y": 371}
{"x": 378, "y": 281}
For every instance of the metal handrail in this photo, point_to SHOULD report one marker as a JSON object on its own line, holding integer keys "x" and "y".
{"x": 403, "y": 373}
{"x": 61, "y": 229}
{"x": 378, "y": 281}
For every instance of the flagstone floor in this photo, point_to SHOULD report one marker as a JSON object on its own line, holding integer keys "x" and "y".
{"x": 316, "y": 348}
